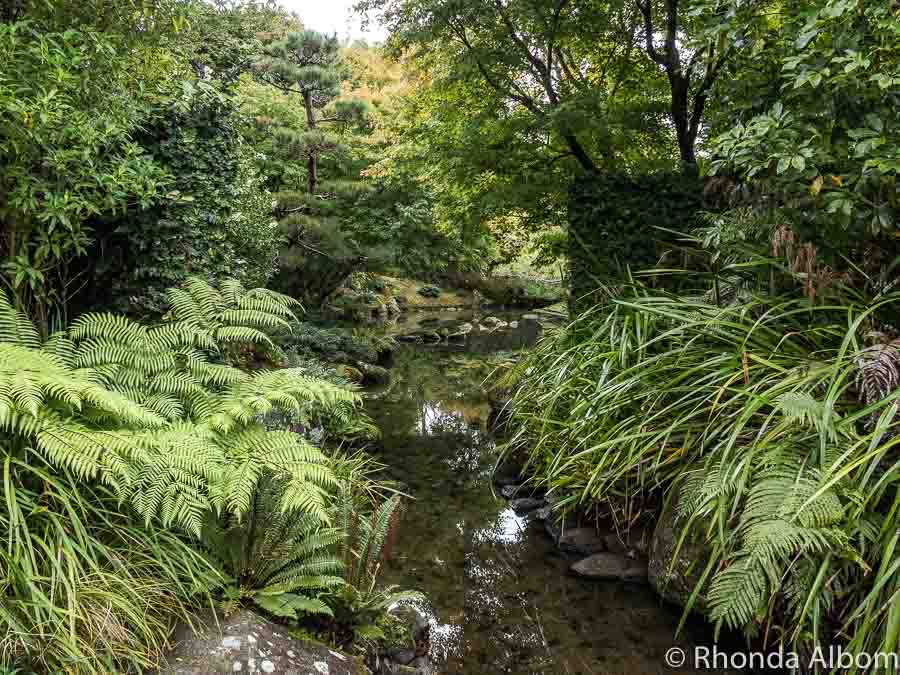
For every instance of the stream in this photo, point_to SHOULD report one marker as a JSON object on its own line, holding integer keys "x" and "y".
{"x": 501, "y": 598}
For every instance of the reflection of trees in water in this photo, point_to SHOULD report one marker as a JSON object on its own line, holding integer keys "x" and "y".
{"x": 466, "y": 447}
{"x": 502, "y": 600}
{"x": 503, "y": 623}
{"x": 456, "y": 541}
{"x": 426, "y": 379}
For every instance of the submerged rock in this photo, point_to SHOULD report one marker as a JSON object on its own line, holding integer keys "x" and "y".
{"x": 581, "y": 541}
{"x": 248, "y": 643}
{"x": 526, "y": 504}
{"x": 611, "y": 567}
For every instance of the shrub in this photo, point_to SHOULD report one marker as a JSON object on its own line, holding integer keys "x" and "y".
{"x": 280, "y": 560}
{"x": 429, "y": 291}
{"x": 774, "y": 418}
{"x": 331, "y": 343}
{"x": 368, "y": 531}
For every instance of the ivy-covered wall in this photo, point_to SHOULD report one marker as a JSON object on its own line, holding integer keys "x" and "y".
{"x": 614, "y": 220}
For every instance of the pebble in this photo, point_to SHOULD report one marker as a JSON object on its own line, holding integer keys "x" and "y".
{"x": 231, "y": 643}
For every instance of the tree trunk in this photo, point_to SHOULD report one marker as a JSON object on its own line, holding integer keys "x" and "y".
{"x": 312, "y": 169}
{"x": 681, "y": 118}
{"x": 312, "y": 158}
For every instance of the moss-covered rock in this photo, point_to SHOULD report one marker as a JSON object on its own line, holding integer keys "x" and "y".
{"x": 677, "y": 566}
{"x": 247, "y": 643}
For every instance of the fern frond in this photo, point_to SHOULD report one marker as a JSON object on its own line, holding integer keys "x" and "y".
{"x": 288, "y": 605}
{"x": 787, "y": 514}
{"x": 15, "y": 328}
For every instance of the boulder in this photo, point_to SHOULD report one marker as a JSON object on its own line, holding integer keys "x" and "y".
{"x": 349, "y": 373}
{"x": 460, "y": 331}
{"x": 526, "y": 504}
{"x": 674, "y": 570}
{"x": 611, "y": 567}
{"x": 373, "y": 374}
{"x": 416, "y": 620}
{"x": 553, "y": 524}
{"x": 412, "y": 658}
{"x": 247, "y": 643}
{"x": 635, "y": 539}
{"x": 492, "y": 323}
{"x": 581, "y": 541}
{"x": 509, "y": 491}
{"x": 402, "y": 657}
{"x": 507, "y": 476}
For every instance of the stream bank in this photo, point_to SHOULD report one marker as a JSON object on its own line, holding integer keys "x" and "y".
{"x": 502, "y": 599}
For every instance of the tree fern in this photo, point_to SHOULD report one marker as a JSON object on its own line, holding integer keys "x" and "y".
{"x": 151, "y": 414}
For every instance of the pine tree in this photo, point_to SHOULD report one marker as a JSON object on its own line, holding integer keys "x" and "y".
{"x": 310, "y": 64}
{"x": 318, "y": 255}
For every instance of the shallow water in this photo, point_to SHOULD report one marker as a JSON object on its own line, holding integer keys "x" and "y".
{"x": 502, "y": 601}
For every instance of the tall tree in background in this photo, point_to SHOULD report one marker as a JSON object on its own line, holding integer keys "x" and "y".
{"x": 310, "y": 64}
{"x": 559, "y": 62}
{"x": 309, "y": 68}
{"x": 515, "y": 99}
{"x": 690, "y": 66}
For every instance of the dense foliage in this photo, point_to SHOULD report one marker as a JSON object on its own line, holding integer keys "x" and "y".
{"x": 138, "y": 426}
{"x": 613, "y": 227}
{"x": 718, "y": 178}
{"x": 761, "y": 399}
{"x": 772, "y": 418}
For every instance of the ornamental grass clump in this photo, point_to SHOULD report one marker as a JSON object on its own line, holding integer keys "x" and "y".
{"x": 773, "y": 419}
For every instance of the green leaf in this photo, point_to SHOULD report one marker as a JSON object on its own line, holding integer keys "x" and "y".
{"x": 368, "y": 631}
{"x": 805, "y": 38}
{"x": 287, "y": 605}
{"x": 874, "y": 122}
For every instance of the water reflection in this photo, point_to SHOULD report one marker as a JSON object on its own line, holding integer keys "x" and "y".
{"x": 502, "y": 600}
{"x": 509, "y": 528}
